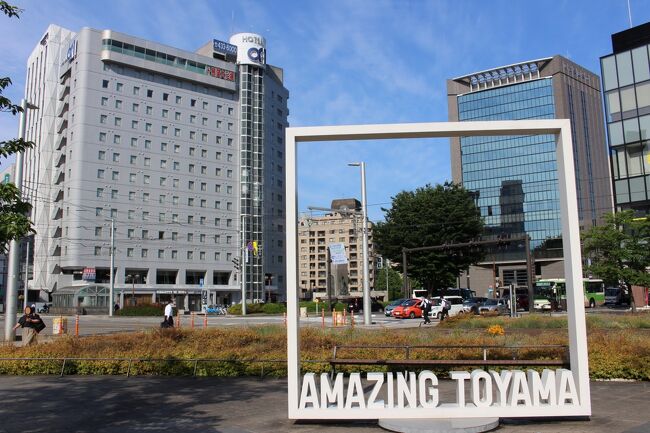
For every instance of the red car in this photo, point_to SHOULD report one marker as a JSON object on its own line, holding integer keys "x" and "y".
{"x": 409, "y": 308}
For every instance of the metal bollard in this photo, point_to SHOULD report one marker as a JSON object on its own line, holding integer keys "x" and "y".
{"x": 178, "y": 320}
{"x": 76, "y": 325}
{"x": 205, "y": 321}
{"x": 192, "y": 320}
{"x": 322, "y": 317}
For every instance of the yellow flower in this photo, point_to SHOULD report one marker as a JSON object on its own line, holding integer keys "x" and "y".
{"x": 496, "y": 330}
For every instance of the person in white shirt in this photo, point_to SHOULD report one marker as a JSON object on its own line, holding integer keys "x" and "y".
{"x": 169, "y": 314}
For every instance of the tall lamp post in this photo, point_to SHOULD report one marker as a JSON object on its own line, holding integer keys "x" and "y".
{"x": 12, "y": 265}
{"x": 367, "y": 320}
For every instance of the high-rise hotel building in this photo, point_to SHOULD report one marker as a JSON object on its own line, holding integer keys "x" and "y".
{"x": 515, "y": 179}
{"x": 182, "y": 151}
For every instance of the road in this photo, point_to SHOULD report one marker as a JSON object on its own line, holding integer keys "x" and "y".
{"x": 92, "y": 325}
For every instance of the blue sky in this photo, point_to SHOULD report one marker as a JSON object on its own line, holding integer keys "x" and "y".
{"x": 348, "y": 62}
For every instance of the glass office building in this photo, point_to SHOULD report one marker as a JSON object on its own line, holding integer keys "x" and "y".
{"x": 626, "y": 87}
{"x": 514, "y": 179}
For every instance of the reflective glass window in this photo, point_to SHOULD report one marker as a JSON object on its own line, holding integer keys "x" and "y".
{"x": 645, "y": 128}
{"x": 624, "y": 67}
{"x": 643, "y": 98}
{"x": 622, "y": 193}
{"x": 628, "y": 102}
{"x": 613, "y": 106}
{"x": 631, "y": 130}
{"x": 616, "y": 133}
{"x": 634, "y": 155}
{"x": 640, "y": 63}
{"x": 608, "y": 66}
{"x": 637, "y": 189}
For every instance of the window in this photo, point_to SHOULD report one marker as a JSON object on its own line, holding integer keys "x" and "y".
{"x": 131, "y": 214}
{"x": 147, "y": 144}
{"x": 204, "y": 120}
{"x": 98, "y": 231}
{"x": 202, "y": 220}
{"x": 202, "y": 238}
{"x": 98, "y": 211}
{"x": 161, "y": 198}
{"x": 136, "y": 90}
{"x": 175, "y": 200}
{"x": 161, "y": 254}
{"x": 190, "y": 237}
{"x": 229, "y": 157}
{"x": 219, "y": 108}
{"x": 149, "y": 110}
{"x": 145, "y": 197}
{"x": 217, "y": 171}
{"x": 133, "y": 159}
{"x": 131, "y": 195}
{"x": 229, "y": 239}
{"x": 228, "y": 189}
{"x": 101, "y": 155}
{"x": 219, "y": 123}
{"x": 217, "y": 188}
{"x": 192, "y": 102}
{"x": 230, "y": 125}
{"x": 163, "y": 147}
{"x": 190, "y": 201}
{"x": 119, "y": 86}
{"x": 134, "y": 142}
{"x": 175, "y": 183}
{"x": 229, "y": 206}
{"x": 132, "y": 177}
{"x": 117, "y": 139}
{"x": 163, "y": 130}
{"x": 100, "y": 192}
{"x": 191, "y": 168}
{"x": 115, "y": 175}
{"x": 105, "y": 84}
{"x": 217, "y": 256}
{"x": 204, "y": 169}
{"x": 174, "y": 254}
{"x": 102, "y": 118}
{"x": 229, "y": 173}
{"x": 147, "y": 161}
{"x": 229, "y": 222}
{"x": 116, "y": 157}
{"x": 177, "y": 148}
{"x": 100, "y": 174}
{"x": 178, "y": 99}
{"x": 218, "y": 155}
{"x": 174, "y": 236}
{"x": 135, "y": 107}
{"x": 165, "y": 113}
{"x": 192, "y": 151}
{"x": 145, "y": 235}
{"x": 177, "y": 116}
{"x": 161, "y": 217}
{"x": 192, "y": 118}
{"x": 130, "y": 233}
{"x": 230, "y": 111}
{"x": 217, "y": 239}
{"x": 98, "y": 251}
{"x": 217, "y": 204}
{"x": 203, "y": 202}
{"x": 129, "y": 252}
{"x": 205, "y": 105}
{"x": 177, "y": 165}
{"x": 163, "y": 163}
{"x": 165, "y": 96}
{"x": 190, "y": 219}
{"x": 163, "y": 181}
{"x": 147, "y": 127}
{"x": 217, "y": 222}
{"x": 190, "y": 185}
{"x": 118, "y": 104}
{"x": 102, "y": 137}
{"x": 114, "y": 193}
{"x": 190, "y": 255}
{"x": 147, "y": 179}
{"x": 174, "y": 218}
{"x": 149, "y": 93}
{"x": 192, "y": 135}
{"x": 204, "y": 153}
{"x": 104, "y": 101}
{"x": 145, "y": 216}
{"x": 113, "y": 213}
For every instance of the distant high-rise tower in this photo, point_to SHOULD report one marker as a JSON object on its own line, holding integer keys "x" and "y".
{"x": 515, "y": 179}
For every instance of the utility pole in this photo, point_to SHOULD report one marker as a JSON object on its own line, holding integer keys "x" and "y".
{"x": 14, "y": 259}
{"x": 112, "y": 271}
{"x": 25, "y": 292}
{"x": 386, "y": 269}
{"x": 405, "y": 273}
{"x": 367, "y": 314}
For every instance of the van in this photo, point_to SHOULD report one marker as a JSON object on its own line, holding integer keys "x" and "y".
{"x": 456, "y": 306}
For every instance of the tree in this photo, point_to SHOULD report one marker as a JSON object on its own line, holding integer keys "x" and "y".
{"x": 14, "y": 220}
{"x": 619, "y": 249}
{"x": 394, "y": 281}
{"x": 431, "y": 216}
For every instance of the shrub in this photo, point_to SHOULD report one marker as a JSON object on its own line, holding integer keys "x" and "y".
{"x": 273, "y": 309}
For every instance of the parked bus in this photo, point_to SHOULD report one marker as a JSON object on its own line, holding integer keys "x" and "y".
{"x": 452, "y": 291}
{"x": 550, "y": 293}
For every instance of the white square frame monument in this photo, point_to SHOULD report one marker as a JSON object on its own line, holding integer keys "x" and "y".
{"x": 576, "y": 381}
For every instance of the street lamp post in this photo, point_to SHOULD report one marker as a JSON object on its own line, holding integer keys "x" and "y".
{"x": 12, "y": 265}
{"x": 367, "y": 320}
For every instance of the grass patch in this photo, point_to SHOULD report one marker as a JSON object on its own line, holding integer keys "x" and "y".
{"x": 613, "y": 353}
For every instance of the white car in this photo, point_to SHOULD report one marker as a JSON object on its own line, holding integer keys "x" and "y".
{"x": 456, "y": 306}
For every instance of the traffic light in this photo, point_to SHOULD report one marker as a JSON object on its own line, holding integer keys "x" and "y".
{"x": 380, "y": 262}
{"x": 235, "y": 261}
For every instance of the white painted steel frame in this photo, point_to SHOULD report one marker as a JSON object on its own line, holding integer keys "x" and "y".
{"x": 561, "y": 128}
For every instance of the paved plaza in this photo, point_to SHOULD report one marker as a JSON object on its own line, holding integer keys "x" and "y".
{"x": 106, "y": 404}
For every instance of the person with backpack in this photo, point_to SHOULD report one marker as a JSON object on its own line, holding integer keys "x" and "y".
{"x": 32, "y": 324}
{"x": 445, "y": 307}
{"x": 425, "y": 305}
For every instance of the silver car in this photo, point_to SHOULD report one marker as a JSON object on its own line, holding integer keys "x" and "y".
{"x": 498, "y": 306}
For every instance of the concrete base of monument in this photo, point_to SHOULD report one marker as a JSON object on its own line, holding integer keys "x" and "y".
{"x": 470, "y": 425}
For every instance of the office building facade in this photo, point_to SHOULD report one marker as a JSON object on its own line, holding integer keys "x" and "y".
{"x": 168, "y": 145}
{"x": 319, "y": 276}
{"x": 626, "y": 90}
{"x": 515, "y": 179}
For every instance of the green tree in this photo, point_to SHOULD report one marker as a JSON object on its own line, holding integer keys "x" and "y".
{"x": 619, "y": 249}
{"x": 394, "y": 282}
{"x": 14, "y": 222}
{"x": 429, "y": 216}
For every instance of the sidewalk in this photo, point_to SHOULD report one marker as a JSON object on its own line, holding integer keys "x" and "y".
{"x": 106, "y": 404}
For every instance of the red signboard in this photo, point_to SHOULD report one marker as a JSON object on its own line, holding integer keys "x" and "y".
{"x": 220, "y": 73}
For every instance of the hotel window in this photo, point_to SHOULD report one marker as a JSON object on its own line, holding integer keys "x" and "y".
{"x": 177, "y": 148}
{"x": 230, "y": 142}
{"x": 102, "y": 118}
{"x": 177, "y": 165}
{"x": 113, "y": 213}
{"x": 129, "y": 252}
{"x": 98, "y": 231}
{"x": 136, "y": 90}
{"x": 100, "y": 192}
{"x": 190, "y": 255}
{"x": 104, "y": 101}
{"x": 217, "y": 222}
{"x": 102, "y": 136}
{"x": 147, "y": 144}
{"x": 229, "y": 157}
{"x": 134, "y": 142}
{"x": 192, "y": 135}
{"x": 191, "y": 168}
{"x": 229, "y": 239}
{"x": 149, "y": 93}
{"x": 149, "y": 110}
{"x": 219, "y": 108}
{"x": 192, "y": 151}
{"x": 132, "y": 177}
{"x": 178, "y": 99}
{"x": 230, "y": 125}
{"x": 98, "y": 211}
{"x": 190, "y": 185}
{"x": 163, "y": 147}
{"x": 145, "y": 197}
{"x": 174, "y": 218}
{"x": 147, "y": 162}
{"x": 190, "y": 219}
{"x": 161, "y": 254}
{"x": 133, "y": 159}
{"x": 114, "y": 194}
{"x": 217, "y": 188}
{"x": 165, "y": 96}
{"x": 229, "y": 222}
{"x": 217, "y": 204}
{"x": 174, "y": 254}
{"x": 202, "y": 255}
{"x": 229, "y": 173}
{"x": 119, "y": 86}
{"x": 116, "y": 157}
{"x": 205, "y": 105}
{"x": 131, "y": 195}
{"x": 217, "y": 256}
{"x": 230, "y": 111}
{"x": 161, "y": 217}
{"x": 177, "y": 116}
{"x": 204, "y": 137}
{"x": 192, "y": 118}
{"x": 145, "y": 217}
{"x": 217, "y": 239}
{"x": 228, "y": 189}
{"x": 229, "y": 206}
{"x": 190, "y": 201}
{"x": 175, "y": 183}
{"x": 204, "y": 169}
{"x": 131, "y": 214}
{"x": 174, "y": 236}
{"x": 101, "y": 155}
{"x": 135, "y": 107}
{"x": 163, "y": 181}
{"x": 219, "y": 123}
{"x": 161, "y": 198}
{"x": 203, "y": 202}
{"x": 100, "y": 174}
{"x": 98, "y": 251}
{"x": 147, "y": 127}
{"x": 163, "y": 130}
{"x": 115, "y": 175}
{"x": 190, "y": 237}
{"x": 202, "y": 221}
{"x": 165, "y": 113}
{"x": 118, "y": 104}
{"x": 217, "y": 171}
{"x": 192, "y": 102}
{"x": 175, "y": 200}
{"x": 130, "y": 233}
{"x": 117, "y": 139}
{"x": 105, "y": 84}
{"x": 163, "y": 163}
{"x": 204, "y": 153}
{"x": 147, "y": 179}
{"x": 204, "y": 120}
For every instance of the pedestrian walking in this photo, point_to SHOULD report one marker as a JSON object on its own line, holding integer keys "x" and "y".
{"x": 445, "y": 306}
{"x": 32, "y": 324}
{"x": 168, "y": 321}
{"x": 425, "y": 305}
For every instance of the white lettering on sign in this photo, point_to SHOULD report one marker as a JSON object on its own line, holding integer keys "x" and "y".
{"x": 411, "y": 391}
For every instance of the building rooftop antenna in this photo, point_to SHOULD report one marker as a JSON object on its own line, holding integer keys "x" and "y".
{"x": 629, "y": 13}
